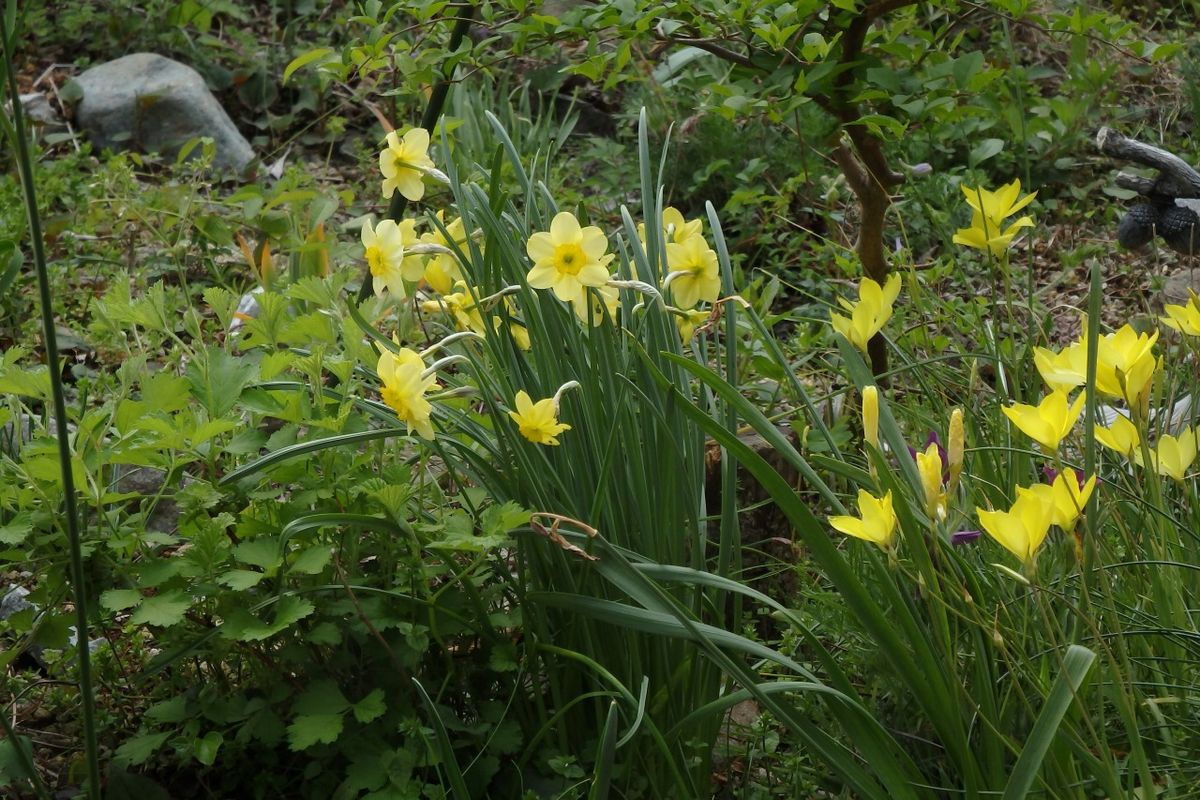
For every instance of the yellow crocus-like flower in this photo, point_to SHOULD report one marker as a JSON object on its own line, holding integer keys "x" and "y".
{"x": 1173, "y": 456}
{"x": 1048, "y": 422}
{"x": 1125, "y": 364}
{"x": 929, "y": 466}
{"x": 990, "y": 209}
{"x": 1121, "y": 436}
{"x": 404, "y": 388}
{"x": 1185, "y": 319}
{"x": 403, "y": 163}
{"x": 955, "y": 448}
{"x": 695, "y": 275}
{"x": 538, "y": 422}
{"x": 870, "y": 416}
{"x": 1065, "y": 496}
{"x": 383, "y": 248}
{"x": 1023, "y": 528}
{"x": 443, "y": 270}
{"x": 568, "y": 258}
{"x": 1064, "y": 370}
{"x": 869, "y": 314}
{"x": 877, "y": 522}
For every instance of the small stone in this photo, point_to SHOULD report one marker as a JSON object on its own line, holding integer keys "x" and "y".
{"x": 153, "y": 103}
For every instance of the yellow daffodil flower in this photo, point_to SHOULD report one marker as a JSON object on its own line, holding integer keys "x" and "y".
{"x": 1048, "y": 422}
{"x": 674, "y": 228}
{"x": 599, "y": 300}
{"x": 443, "y": 270}
{"x": 877, "y": 522}
{"x": 869, "y": 314}
{"x": 1185, "y": 319}
{"x": 695, "y": 275}
{"x": 459, "y": 304}
{"x": 955, "y": 448}
{"x": 990, "y": 209}
{"x": 1065, "y": 370}
{"x": 1173, "y": 456}
{"x": 688, "y": 321}
{"x": 1021, "y": 529}
{"x": 929, "y": 466}
{"x": 1121, "y": 436}
{"x": 870, "y": 416}
{"x": 383, "y": 248}
{"x": 403, "y": 163}
{"x": 568, "y": 258}
{"x": 404, "y": 389}
{"x": 538, "y": 422}
{"x": 1125, "y": 365}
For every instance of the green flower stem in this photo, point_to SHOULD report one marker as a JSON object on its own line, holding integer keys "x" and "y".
{"x": 433, "y": 111}
{"x": 25, "y": 167}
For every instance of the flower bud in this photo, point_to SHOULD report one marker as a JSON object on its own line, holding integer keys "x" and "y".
{"x": 954, "y": 453}
{"x": 870, "y": 416}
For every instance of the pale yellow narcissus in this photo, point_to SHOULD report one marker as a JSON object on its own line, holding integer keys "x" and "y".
{"x": 674, "y": 227}
{"x": 538, "y": 422}
{"x": 1123, "y": 437}
{"x": 404, "y": 388}
{"x": 443, "y": 270}
{"x": 383, "y": 248}
{"x": 876, "y": 523}
{"x": 1049, "y": 421}
{"x": 688, "y": 321}
{"x": 869, "y": 314}
{"x": 1173, "y": 456}
{"x": 1185, "y": 319}
{"x": 1021, "y": 529}
{"x": 695, "y": 275}
{"x": 461, "y": 305}
{"x": 929, "y": 467}
{"x": 989, "y": 210}
{"x": 599, "y": 299}
{"x": 568, "y": 258}
{"x": 404, "y": 162}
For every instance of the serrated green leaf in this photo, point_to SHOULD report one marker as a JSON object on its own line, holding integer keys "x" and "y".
{"x": 311, "y": 561}
{"x": 314, "y": 729}
{"x": 245, "y": 627}
{"x": 370, "y": 707}
{"x": 240, "y": 579}
{"x": 120, "y": 599}
{"x": 15, "y": 531}
{"x": 262, "y": 552}
{"x": 322, "y": 697}
{"x": 138, "y": 749}
{"x": 162, "y": 610}
{"x": 217, "y": 379}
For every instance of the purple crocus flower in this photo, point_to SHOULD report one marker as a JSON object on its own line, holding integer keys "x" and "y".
{"x": 962, "y": 537}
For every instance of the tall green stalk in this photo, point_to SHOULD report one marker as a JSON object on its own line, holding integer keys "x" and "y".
{"x": 16, "y": 133}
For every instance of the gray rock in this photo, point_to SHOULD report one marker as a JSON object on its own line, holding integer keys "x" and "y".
{"x": 149, "y": 482}
{"x": 1175, "y": 290}
{"x": 14, "y": 601}
{"x": 38, "y": 109}
{"x": 150, "y": 102}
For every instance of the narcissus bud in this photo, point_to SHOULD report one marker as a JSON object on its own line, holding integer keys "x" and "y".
{"x": 954, "y": 452}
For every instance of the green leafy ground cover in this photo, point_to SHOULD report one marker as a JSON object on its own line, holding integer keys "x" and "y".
{"x": 365, "y": 571}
